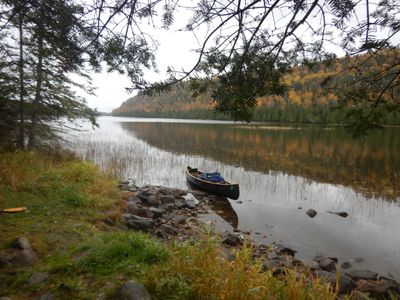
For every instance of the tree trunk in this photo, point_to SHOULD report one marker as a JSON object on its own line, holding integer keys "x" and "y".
{"x": 21, "y": 113}
{"x": 38, "y": 90}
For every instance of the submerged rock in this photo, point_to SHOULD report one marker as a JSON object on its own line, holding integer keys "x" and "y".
{"x": 345, "y": 265}
{"x": 284, "y": 250}
{"x": 342, "y": 214}
{"x": 311, "y": 213}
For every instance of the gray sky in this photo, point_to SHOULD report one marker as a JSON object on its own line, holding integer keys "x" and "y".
{"x": 174, "y": 50}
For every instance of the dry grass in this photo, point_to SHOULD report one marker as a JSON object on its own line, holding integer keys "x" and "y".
{"x": 199, "y": 271}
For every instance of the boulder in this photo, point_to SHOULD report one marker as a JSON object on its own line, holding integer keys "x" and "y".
{"x": 147, "y": 198}
{"x": 362, "y": 274}
{"x": 178, "y": 220}
{"x": 168, "y": 229}
{"x": 345, "y": 265}
{"x": 167, "y": 207}
{"x": 132, "y": 290}
{"x": 21, "y": 243}
{"x": 180, "y": 203}
{"x": 311, "y": 213}
{"x": 167, "y": 199}
{"x": 137, "y": 222}
{"x": 38, "y": 277}
{"x": 327, "y": 264}
{"x": 132, "y": 207}
{"x": 346, "y": 284}
{"x": 232, "y": 239}
{"x": 157, "y": 213}
{"x": 24, "y": 258}
{"x": 284, "y": 250}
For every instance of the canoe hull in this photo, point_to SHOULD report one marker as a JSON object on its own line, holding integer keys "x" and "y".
{"x": 228, "y": 190}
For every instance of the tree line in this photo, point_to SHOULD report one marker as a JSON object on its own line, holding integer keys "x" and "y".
{"x": 305, "y": 101}
{"x": 245, "y": 51}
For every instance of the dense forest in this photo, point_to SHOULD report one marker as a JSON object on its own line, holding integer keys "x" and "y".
{"x": 310, "y": 96}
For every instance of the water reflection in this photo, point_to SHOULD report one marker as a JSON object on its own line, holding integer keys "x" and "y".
{"x": 158, "y": 153}
{"x": 370, "y": 165}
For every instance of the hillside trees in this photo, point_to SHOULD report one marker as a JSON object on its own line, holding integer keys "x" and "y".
{"x": 282, "y": 32}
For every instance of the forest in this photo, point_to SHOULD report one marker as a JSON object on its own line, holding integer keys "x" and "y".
{"x": 308, "y": 98}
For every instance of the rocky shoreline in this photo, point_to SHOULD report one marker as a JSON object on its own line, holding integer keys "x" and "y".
{"x": 174, "y": 214}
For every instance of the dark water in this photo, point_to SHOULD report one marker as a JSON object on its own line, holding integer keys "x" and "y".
{"x": 280, "y": 170}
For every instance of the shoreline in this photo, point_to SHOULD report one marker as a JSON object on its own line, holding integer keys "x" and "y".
{"x": 173, "y": 214}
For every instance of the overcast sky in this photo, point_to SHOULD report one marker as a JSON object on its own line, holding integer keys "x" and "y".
{"x": 174, "y": 50}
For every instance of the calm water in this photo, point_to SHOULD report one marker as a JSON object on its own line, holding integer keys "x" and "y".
{"x": 280, "y": 170}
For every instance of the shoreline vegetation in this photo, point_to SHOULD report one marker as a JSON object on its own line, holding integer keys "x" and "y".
{"x": 80, "y": 239}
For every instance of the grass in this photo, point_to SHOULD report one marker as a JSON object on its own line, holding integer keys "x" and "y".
{"x": 67, "y": 200}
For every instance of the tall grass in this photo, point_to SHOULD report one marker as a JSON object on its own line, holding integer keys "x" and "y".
{"x": 200, "y": 271}
{"x": 67, "y": 182}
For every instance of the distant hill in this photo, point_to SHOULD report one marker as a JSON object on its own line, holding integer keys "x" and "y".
{"x": 305, "y": 101}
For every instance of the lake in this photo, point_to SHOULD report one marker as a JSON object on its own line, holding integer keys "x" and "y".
{"x": 282, "y": 171}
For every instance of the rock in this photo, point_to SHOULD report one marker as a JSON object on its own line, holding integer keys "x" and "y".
{"x": 346, "y": 284}
{"x": 137, "y": 222}
{"x": 132, "y": 207}
{"x": 274, "y": 263}
{"x": 342, "y": 214}
{"x": 21, "y": 243}
{"x": 147, "y": 198}
{"x": 327, "y": 264}
{"x": 178, "y": 220}
{"x": 191, "y": 202}
{"x": 47, "y": 296}
{"x": 345, "y": 265}
{"x": 109, "y": 221}
{"x": 362, "y": 274}
{"x": 180, "y": 203}
{"x": 232, "y": 239}
{"x": 168, "y": 229}
{"x": 298, "y": 262}
{"x": 359, "y": 259}
{"x": 311, "y": 213}
{"x": 284, "y": 250}
{"x": 381, "y": 289}
{"x": 167, "y": 199}
{"x": 132, "y": 290}
{"x": 24, "y": 258}
{"x": 157, "y": 213}
{"x": 4, "y": 259}
{"x": 167, "y": 207}
{"x": 38, "y": 278}
{"x": 145, "y": 212}
{"x": 239, "y": 202}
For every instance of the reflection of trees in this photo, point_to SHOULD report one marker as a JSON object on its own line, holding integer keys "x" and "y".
{"x": 370, "y": 165}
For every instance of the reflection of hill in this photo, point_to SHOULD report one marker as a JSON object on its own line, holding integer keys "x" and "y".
{"x": 369, "y": 165}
